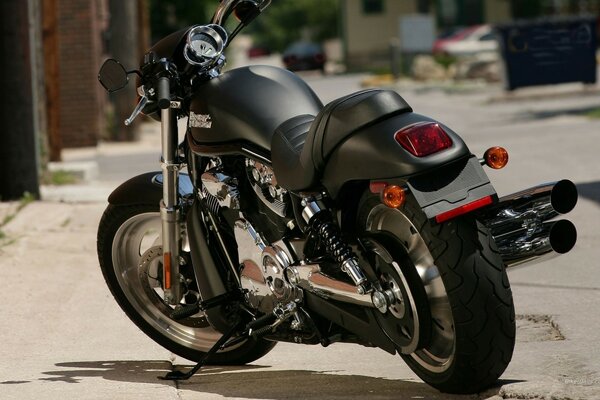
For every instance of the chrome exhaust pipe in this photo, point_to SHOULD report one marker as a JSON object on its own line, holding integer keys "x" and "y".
{"x": 520, "y": 223}
{"x": 552, "y": 239}
{"x": 310, "y": 278}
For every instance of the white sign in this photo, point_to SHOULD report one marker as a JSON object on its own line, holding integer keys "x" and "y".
{"x": 417, "y": 33}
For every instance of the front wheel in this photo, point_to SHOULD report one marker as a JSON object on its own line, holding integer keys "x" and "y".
{"x": 463, "y": 337}
{"x": 130, "y": 255}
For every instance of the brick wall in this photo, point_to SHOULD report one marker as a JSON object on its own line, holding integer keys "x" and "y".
{"x": 82, "y": 99}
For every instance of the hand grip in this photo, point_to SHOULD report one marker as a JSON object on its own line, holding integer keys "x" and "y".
{"x": 164, "y": 93}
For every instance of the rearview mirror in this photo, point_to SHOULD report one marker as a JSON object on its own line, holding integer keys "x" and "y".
{"x": 246, "y": 11}
{"x": 112, "y": 75}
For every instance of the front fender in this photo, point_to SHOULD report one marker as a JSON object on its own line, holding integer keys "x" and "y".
{"x": 373, "y": 153}
{"x": 146, "y": 189}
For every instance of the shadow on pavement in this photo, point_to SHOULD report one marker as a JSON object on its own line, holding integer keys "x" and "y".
{"x": 253, "y": 381}
{"x": 544, "y": 114}
{"x": 590, "y": 190}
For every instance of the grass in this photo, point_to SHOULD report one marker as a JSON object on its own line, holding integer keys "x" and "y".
{"x": 445, "y": 60}
{"x": 593, "y": 113}
{"x": 59, "y": 177}
{"x": 25, "y": 200}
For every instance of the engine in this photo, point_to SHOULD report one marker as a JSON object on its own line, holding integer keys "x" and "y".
{"x": 263, "y": 269}
{"x": 258, "y": 215}
{"x": 257, "y": 208}
{"x": 263, "y": 181}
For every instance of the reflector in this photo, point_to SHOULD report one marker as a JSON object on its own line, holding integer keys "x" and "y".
{"x": 464, "y": 209}
{"x": 167, "y": 271}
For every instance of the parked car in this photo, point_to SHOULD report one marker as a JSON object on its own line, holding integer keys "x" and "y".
{"x": 467, "y": 42}
{"x": 302, "y": 56}
{"x": 449, "y": 36}
{"x": 258, "y": 51}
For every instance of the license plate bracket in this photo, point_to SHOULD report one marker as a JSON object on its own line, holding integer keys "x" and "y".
{"x": 451, "y": 187}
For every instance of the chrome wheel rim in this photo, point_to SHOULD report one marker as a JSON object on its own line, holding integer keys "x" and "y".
{"x": 437, "y": 356}
{"x": 136, "y": 254}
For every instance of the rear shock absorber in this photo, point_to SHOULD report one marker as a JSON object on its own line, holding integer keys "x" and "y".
{"x": 321, "y": 222}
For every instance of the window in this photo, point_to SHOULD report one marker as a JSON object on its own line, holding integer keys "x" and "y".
{"x": 372, "y": 6}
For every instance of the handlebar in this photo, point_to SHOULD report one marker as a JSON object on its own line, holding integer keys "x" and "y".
{"x": 226, "y": 7}
{"x": 164, "y": 92}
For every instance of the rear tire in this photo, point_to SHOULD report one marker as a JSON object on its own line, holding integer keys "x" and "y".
{"x": 473, "y": 330}
{"x": 125, "y": 234}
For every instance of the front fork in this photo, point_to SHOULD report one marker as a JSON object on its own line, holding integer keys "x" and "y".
{"x": 170, "y": 206}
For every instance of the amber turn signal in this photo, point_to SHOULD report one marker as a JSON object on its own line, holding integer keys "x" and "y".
{"x": 393, "y": 196}
{"x": 496, "y": 157}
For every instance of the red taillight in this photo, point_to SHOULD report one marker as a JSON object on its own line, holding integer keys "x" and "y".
{"x": 467, "y": 208}
{"x": 423, "y": 138}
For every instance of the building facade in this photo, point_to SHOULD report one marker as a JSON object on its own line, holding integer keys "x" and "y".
{"x": 81, "y": 27}
{"x": 369, "y": 26}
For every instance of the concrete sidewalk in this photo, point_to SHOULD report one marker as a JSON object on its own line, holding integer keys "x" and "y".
{"x": 65, "y": 337}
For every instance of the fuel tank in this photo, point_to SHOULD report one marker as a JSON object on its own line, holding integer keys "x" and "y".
{"x": 238, "y": 111}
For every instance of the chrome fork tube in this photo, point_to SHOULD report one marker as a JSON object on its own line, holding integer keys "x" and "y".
{"x": 170, "y": 207}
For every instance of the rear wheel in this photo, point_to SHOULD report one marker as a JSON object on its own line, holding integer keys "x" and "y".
{"x": 130, "y": 255}
{"x": 464, "y": 336}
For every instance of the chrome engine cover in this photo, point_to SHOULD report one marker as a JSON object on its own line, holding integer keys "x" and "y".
{"x": 263, "y": 181}
{"x": 263, "y": 269}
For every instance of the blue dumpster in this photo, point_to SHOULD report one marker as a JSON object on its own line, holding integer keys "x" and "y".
{"x": 549, "y": 51}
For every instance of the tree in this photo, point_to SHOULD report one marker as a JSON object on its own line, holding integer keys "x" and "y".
{"x": 19, "y": 173}
{"x": 526, "y": 9}
{"x": 284, "y": 22}
{"x": 168, "y": 16}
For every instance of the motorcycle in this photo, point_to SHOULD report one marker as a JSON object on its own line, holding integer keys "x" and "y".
{"x": 280, "y": 219}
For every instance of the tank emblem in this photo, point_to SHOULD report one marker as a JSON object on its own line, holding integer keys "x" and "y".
{"x": 200, "y": 120}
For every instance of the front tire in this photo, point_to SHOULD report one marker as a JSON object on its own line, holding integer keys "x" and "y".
{"x": 128, "y": 245}
{"x": 471, "y": 337}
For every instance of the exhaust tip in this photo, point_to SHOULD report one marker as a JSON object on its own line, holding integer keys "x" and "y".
{"x": 563, "y": 236}
{"x": 564, "y": 196}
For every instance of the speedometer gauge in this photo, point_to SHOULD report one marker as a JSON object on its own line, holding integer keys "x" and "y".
{"x": 205, "y": 44}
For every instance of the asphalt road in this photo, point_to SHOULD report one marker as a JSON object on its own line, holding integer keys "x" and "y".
{"x": 64, "y": 337}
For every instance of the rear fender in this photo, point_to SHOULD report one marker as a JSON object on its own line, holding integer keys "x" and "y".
{"x": 373, "y": 153}
{"x": 441, "y": 182}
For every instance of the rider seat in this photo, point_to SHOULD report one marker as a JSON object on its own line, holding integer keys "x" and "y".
{"x": 301, "y": 145}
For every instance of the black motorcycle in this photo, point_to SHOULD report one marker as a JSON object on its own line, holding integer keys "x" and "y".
{"x": 280, "y": 219}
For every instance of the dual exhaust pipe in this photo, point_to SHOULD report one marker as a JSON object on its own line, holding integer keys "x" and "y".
{"x": 523, "y": 224}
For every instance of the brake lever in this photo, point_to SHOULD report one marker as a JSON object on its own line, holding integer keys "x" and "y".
{"x": 137, "y": 110}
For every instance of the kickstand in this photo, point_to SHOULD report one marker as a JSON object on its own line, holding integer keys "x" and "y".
{"x": 180, "y": 376}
